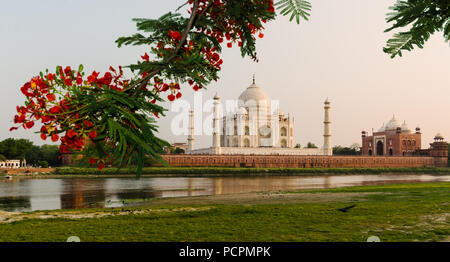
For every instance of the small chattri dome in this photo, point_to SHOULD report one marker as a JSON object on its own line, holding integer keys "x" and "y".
{"x": 438, "y": 137}
{"x": 405, "y": 127}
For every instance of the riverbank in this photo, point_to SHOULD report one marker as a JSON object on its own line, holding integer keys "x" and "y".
{"x": 413, "y": 212}
{"x": 75, "y": 172}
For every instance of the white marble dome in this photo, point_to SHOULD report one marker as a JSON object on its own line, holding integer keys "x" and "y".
{"x": 393, "y": 124}
{"x": 253, "y": 96}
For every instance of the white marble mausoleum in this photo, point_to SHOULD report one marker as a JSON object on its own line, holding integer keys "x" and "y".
{"x": 255, "y": 129}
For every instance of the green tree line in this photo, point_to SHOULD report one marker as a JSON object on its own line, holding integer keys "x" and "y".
{"x": 45, "y": 155}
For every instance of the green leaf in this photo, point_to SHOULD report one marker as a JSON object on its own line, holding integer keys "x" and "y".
{"x": 296, "y": 8}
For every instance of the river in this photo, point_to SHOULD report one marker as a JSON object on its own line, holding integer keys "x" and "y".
{"x": 73, "y": 193}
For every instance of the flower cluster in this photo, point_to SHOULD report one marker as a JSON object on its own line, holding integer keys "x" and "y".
{"x": 56, "y": 101}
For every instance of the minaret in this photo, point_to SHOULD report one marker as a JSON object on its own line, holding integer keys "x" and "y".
{"x": 216, "y": 126}
{"x": 328, "y": 151}
{"x": 191, "y": 131}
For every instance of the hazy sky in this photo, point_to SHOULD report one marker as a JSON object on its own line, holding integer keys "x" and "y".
{"x": 337, "y": 54}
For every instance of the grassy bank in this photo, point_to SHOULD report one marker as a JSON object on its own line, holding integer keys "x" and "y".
{"x": 415, "y": 212}
{"x": 222, "y": 171}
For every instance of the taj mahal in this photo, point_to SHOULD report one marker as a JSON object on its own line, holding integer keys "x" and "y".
{"x": 255, "y": 129}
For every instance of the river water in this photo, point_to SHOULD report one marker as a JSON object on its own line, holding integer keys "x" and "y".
{"x": 72, "y": 193}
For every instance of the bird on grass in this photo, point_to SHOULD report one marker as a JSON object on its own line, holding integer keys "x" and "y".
{"x": 345, "y": 209}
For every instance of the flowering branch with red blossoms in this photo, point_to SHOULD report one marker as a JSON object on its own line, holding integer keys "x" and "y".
{"x": 96, "y": 115}
{"x": 111, "y": 119}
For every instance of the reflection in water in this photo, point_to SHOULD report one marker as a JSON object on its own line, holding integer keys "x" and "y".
{"x": 15, "y": 203}
{"x": 83, "y": 193}
{"x": 47, "y": 194}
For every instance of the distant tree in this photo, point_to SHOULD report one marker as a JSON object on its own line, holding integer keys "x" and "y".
{"x": 448, "y": 155}
{"x": 356, "y": 147}
{"x": 15, "y": 148}
{"x": 422, "y": 17}
{"x": 311, "y": 145}
{"x": 178, "y": 151}
{"x": 298, "y": 146}
{"x": 3, "y": 158}
{"x": 48, "y": 153}
{"x": 340, "y": 150}
{"x": 43, "y": 164}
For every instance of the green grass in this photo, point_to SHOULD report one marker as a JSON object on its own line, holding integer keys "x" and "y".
{"x": 413, "y": 212}
{"x": 211, "y": 171}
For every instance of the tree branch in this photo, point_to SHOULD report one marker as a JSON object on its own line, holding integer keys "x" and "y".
{"x": 188, "y": 28}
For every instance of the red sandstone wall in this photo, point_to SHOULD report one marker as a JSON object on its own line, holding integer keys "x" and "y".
{"x": 296, "y": 161}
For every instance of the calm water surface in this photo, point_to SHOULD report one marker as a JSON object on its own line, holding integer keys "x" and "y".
{"x": 49, "y": 194}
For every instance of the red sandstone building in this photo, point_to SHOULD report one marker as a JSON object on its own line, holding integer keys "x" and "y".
{"x": 392, "y": 139}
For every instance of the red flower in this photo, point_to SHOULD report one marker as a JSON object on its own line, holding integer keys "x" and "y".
{"x": 93, "y": 134}
{"x": 55, "y": 110}
{"x": 43, "y": 136}
{"x": 19, "y": 119}
{"x": 230, "y": 45}
{"x": 146, "y": 57}
{"x": 88, "y": 124}
{"x": 215, "y": 57}
{"x": 71, "y": 133}
{"x": 68, "y": 81}
{"x": 92, "y": 161}
{"x": 178, "y": 95}
{"x": 261, "y": 35}
{"x": 165, "y": 88}
{"x": 93, "y": 77}
{"x": 171, "y": 97}
{"x": 68, "y": 70}
{"x": 25, "y": 89}
{"x": 175, "y": 35}
{"x": 106, "y": 79}
{"x": 50, "y": 77}
{"x": 79, "y": 79}
{"x": 55, "y": 137}
{"x": 101, "y": 166}
{"x": 13, "y": 128}
{"x": 51, "y": 97}
{"x": 29, "y": 125}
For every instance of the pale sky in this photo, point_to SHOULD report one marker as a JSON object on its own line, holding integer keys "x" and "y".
{"x": 337, "y": 54}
